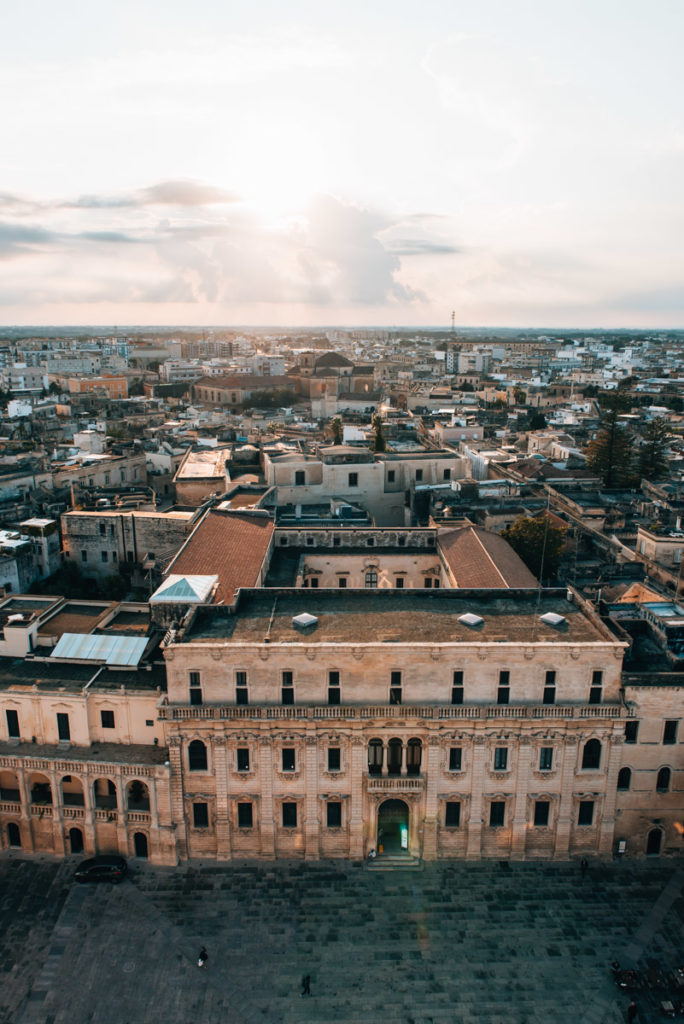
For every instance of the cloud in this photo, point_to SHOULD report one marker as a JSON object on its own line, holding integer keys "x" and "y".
{"x": 165, "y": 193}
{"x": 18, "y": 239}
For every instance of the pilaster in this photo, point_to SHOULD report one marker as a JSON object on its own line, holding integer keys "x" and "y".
{"x": 520, "y": 814}
{"x": 607, "y": 826}
{"x": 312, "y": 825}
{"x": 223, "y": 841}
{"x": 565, "y": 805}
{"x": 267, "y": 825}
{"x": 434, "y": 751}
{"x": 177, "y": 799}
{"x": 356, "y": 836}
{"x": 474, "y": 843}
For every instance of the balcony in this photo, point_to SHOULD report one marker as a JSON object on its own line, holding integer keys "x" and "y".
{"x": 431, "y": 712}
{"x": 394, "y": 783}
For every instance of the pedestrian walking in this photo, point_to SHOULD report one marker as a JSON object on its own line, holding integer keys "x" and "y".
{"x": 584, "y": 866}
{"x": 306, "y": 985}
{"x": 203, "y": 957}
{"x": 632, "y": 1011}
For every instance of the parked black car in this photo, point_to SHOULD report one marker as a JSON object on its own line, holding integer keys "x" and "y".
{"x": 102, "y": 869}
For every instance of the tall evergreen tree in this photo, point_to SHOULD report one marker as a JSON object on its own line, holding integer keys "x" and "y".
{"x": 653, "y": 451}
{"x": 611, "y": 454}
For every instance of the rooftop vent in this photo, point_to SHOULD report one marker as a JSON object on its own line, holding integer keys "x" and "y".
{"x": 304, "y": 620}
{"x": 469, "y": 619}
{"x": 552, "y": 619}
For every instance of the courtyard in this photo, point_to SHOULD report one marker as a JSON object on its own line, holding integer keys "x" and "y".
{"x": 453, "y": 943}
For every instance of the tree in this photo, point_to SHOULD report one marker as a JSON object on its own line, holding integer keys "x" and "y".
{"x": 379, "y": 444}
{"x": 610, "y": 454}
{"x": 530, "y": 537}
{"x": 652, "y": 458}
{"x": 537, "y": 421}
{"x": 336, "y": 427}
{"x": 519, "y": 395}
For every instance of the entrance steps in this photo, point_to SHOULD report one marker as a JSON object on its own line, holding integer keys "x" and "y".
{"x": 394, "y": 862}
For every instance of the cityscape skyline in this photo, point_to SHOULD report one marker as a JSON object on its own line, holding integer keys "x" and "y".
{"x": 518, "y": 166}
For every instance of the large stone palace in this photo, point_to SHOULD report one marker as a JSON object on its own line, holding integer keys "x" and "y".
{"x": 234, "y": 718}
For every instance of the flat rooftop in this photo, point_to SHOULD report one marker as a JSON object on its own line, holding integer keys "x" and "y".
{"x": 404, "y": 617}
{"x": 108, "y": 753}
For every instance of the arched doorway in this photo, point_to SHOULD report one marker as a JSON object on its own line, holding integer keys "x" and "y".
{"x": 13, "y": 834}
{"x": 393, "y": 827}
{"x": 654, "y": 841}
{"x": 76, "y": 840}
{"x": 140, "y": 845}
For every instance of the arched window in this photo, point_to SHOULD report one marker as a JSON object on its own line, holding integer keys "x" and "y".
{"x": 663, "y": 780}
{"x": 414, "y": 752}
{"x": 394, "y": 750}
{"x": 375, "y": 755}
{"x": 624, "y": 778}
{"x": 197, "y": 756}
{"x": 371, "y": 578}
{"x": 591, "y": 757}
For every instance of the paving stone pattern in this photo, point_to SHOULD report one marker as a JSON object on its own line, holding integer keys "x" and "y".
{"x": 454, "y": 943}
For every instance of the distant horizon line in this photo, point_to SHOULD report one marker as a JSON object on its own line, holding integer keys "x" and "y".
{"x": 447, "y": 329}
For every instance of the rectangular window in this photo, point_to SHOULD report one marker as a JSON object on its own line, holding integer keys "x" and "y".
{"x": 104, "y": 556}
{"x": 245, "y": 817}
{"x": 107, "y": 719}
{"x": 334, "y": 759}
{"x": 353, "y": 479}
{"x": 114, "y": 556}
{"x": 241, "y": 696}
{"x": 334, "y": 814}
{"x": 455, "y": 759}
{"x": 401, "y": 541}
{"x": 333, "y": 688}
{"x": 419, "y": 475}
{"x": 596, "y": 687}
{"x": 546, "y": 759}
{"x": 586, "y": 812}
{"x": 337, "y": 542}
{"x": 313, "y": 582}
{"x": 446, "y": 475}
{"x": 194, "y": 678}
{"x": 541, "y": 813}
{"x": 288, "y": 756}
{"x": 243, "y": 759}
{"x": 452, "y": 818}
{"x": 63, "y": 730}
{"x": 497, "y": 812}
{"x": 670, "y": 732}
{"x": 84, "y": 556}
{"x": 550, "y": 687}
{"x": 287, "y": 689}
{"x": 200, "y": 815}
{"x": 427, "y": 583}
{"x": 504, "y": 691}
{"x": 103, "y": 529}
{"x": 300, "y": 478}
{"x": 399, "y": 583}
{"x": 12, "y": 724}
{"x": 289, "y": 815}
{"x": 390, "y": 476}
{"x": 342, "y": 582}
{"x": 395, "y": 688}
{"x": 457, "y": 688}
{"x": 195, "y": 690}
{"x": 500, "y": 759}
{"x": 631, "y": 732}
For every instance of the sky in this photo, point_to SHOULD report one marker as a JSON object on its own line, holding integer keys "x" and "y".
{"x": 517, "y": 162}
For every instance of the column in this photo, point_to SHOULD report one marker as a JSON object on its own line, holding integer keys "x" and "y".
{"x": 220, "y": 765}
{"x": 565, "y": 808}
{"x": 177, "y": 800}
{"x": 474, "y": 845}
{"x": 356, "y": 830}
{"x": 434, "y": 753}
{"x": 312, "y": 825}
{"x": 607, "y": 827}
{"x": 89, "y": 822}
{"x": 58, "y": 838}
{"x": 121, "y": 815}
{"x": 520, "y": 814}
{"x": 404, "y": 754}
{"x": 266, "y": 823}
{"x": 26, "y": 816}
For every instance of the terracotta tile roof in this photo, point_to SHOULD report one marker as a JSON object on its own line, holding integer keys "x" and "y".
{"x": 478, "y": 558}
{"x": 232, "y": 546}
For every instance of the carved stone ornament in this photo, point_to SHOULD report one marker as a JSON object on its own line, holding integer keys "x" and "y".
{"x": 216, "y": 653}
{"x": 616, "y": 739}
{"x": 311, "y": 741}
{"x": 264, "y": 653}
{"x": 169, "y": 654}
{"x": 357, "y": 652}
{"x": 174, "y": 741}
{"x": 218, "y": 739}
{"x": 575, "y": 653}
{"x": 434, "y": 741}
{"x": 435, "y": 654}
{"x": 310, "y": 652}
{"x": 358, "y": 741}
{"x": 529, "y": 653}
